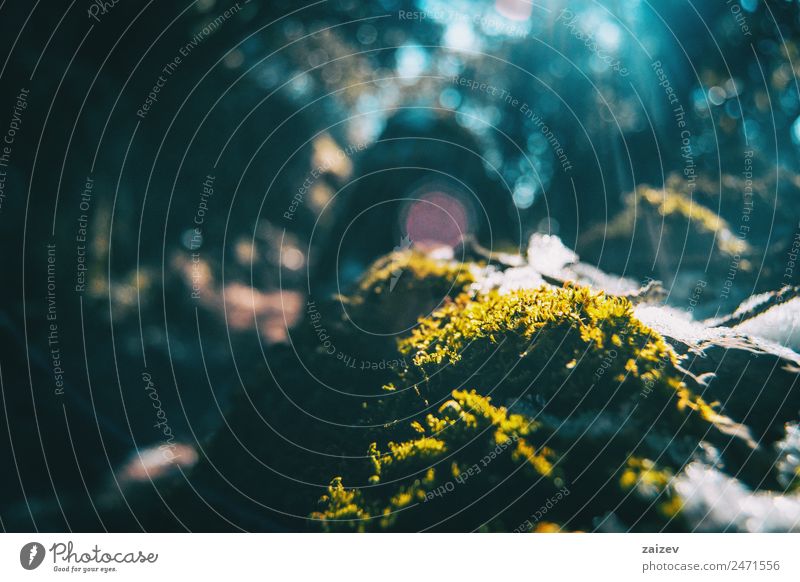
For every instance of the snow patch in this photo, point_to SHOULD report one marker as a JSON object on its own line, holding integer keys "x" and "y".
{"x": 780, "y": 324}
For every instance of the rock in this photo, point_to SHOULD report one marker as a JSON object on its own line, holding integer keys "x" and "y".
{"x": 535, "y": 394}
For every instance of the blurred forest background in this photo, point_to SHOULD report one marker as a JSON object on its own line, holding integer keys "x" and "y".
{"x": 323, "y": 135}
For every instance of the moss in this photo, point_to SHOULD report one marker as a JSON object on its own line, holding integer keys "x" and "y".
{"x": 670, "y": 203}
{"x": 653, "y": 483}
{"x": 341, "y": 506}
{"x": 680, "y": 209}
{"x": 599, "y": 392}
{"x": 288, "y": 433}
{"x": 402, "y": 286}
{"x": 504, "y": 400}
{"x": 665, "y": 230}
{"x": 408, "y": 271}
{"x": 350, "y": 340}
{"x": 562, "y": 344}
{"x": 458, "y": 421}
{"x": 468, "y": 443}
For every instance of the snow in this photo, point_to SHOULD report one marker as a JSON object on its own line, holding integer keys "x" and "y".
{"x": 780, "y": 324}
{"x": 712, "y": 501}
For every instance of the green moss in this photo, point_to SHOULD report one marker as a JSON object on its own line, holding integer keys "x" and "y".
{"x": 673, "y": 204}
{"x": 402, "y": 286}
{"x": 664, "y": 229}
{"x": 468, "y": 441}
{"x": 458, "y": 421}
{"x": 651, "y": 482}
{"x": 290, "y": 431}
{"x": 352, "y": 338}
{"x": 408, "y": 271}
{"x": 600, "y": 393}
{"x": 564, "y": 344}
{"x": 503, "y": 401}
{"x": 678, "y": 209}
{"x": 342, "y": 506}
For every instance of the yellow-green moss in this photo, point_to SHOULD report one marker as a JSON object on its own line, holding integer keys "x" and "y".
{"x": 671, "y": 202}
{"x": 341, "y": 506}
{"x": 589, "y": 386}
{"x": 559, "y": 342}
{"x": 467, "y": 433}
{"x": 677, "y": 209}
{"x": 412, "y": 270}
{"x": 600, "y": 319}
{"x": 458, "y": 421}
{"x": 653, "y": 483}
{"x": 402, "y": 286}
